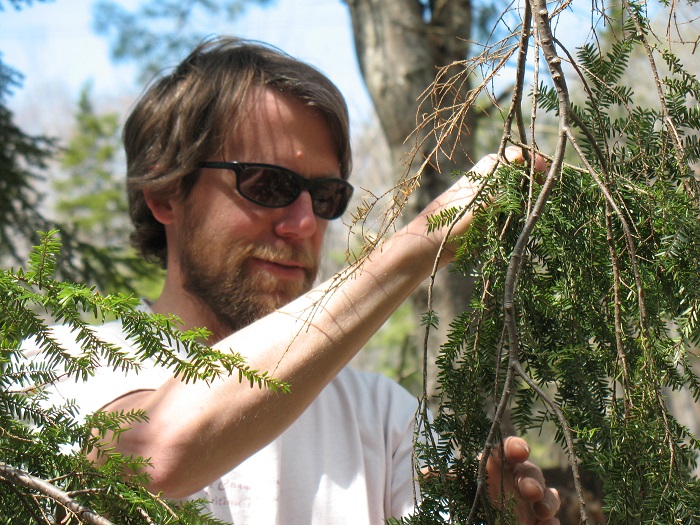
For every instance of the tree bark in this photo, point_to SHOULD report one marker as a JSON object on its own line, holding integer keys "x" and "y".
{"x": 400, "y": 45}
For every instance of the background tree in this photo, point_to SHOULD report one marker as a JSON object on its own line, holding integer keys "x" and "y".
{"x": 22, "y": 159}
{"x": 90, "y": 193}
{"x": 24, "y": 165}
{"x": 417, "y": 37}
{"x": 158, "y": 34}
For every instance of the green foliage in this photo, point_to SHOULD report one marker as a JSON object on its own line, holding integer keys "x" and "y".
{"x": 91, "y": 195}
{"x": 22, "y": 158}
{"x": 91, "y": 201}
{"x": 23, "y": 162}
{"x": 392, "y": 351}
{"x": 606, "y": 307}
{"x": 41, "y": 441}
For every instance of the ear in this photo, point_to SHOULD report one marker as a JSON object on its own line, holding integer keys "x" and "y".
{"x": 162, "y": 209}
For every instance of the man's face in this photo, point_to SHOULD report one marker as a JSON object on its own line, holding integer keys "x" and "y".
{"x": 242, "y": 260}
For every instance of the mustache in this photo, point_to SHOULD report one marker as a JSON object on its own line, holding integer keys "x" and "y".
{"x": 284, "y": 254}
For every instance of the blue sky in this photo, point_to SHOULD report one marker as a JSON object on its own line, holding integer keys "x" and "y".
{"x": 54, "y": 47}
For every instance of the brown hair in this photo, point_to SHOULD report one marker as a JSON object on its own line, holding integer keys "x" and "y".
{"x": 189, "y": 115}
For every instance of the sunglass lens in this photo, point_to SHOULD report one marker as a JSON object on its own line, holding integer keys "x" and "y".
{"x": 330, "y": 199}
{"x": 268, "y": 186}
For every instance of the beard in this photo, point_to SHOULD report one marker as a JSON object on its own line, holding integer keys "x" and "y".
{"x": 219, "y": 276}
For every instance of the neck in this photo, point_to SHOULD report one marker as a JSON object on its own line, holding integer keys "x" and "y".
{"x": 193, "y": 313}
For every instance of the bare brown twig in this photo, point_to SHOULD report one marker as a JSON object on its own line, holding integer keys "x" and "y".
{"x": 23, "y": 479}
{"x": 545, "y": 40}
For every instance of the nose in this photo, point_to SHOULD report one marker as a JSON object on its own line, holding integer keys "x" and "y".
{"x": 297, "y": 221}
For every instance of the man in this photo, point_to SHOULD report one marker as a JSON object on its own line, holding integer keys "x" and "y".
{"x": 237, "y": 160}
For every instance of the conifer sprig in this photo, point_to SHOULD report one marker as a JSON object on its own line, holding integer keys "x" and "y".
{"x": 585, "y": 312}
{"x": 43, "y": 471}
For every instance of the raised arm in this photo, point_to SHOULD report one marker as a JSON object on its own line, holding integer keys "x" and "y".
{"x": 197, "y": 432}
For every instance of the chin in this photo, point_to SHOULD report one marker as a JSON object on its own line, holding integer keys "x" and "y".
{"x": 278, "y": 301}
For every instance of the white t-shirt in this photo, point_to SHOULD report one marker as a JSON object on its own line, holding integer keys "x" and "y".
{"x": 346, "y": 460}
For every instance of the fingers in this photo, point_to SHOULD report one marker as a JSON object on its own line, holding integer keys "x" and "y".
{"x": 541, "y": 165}
{"x": 512, "y": 154}
{"x": 539, "y": 504}
{"x": 548, "y": 506}
{"x": 530, "y": 482}
{"x": 516, "y": 451}
{"x": 515, "y": 154}
{"x": 531, "y": 485}
{"x": 550, "y": 521}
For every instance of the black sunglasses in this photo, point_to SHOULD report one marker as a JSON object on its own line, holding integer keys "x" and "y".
{"x": 276, "y": 187}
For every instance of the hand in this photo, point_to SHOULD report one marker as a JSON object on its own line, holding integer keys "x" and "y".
{"x": 536, "y": 504}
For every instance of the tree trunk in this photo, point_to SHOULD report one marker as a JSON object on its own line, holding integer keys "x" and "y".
{"x": 400, "y": 45}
